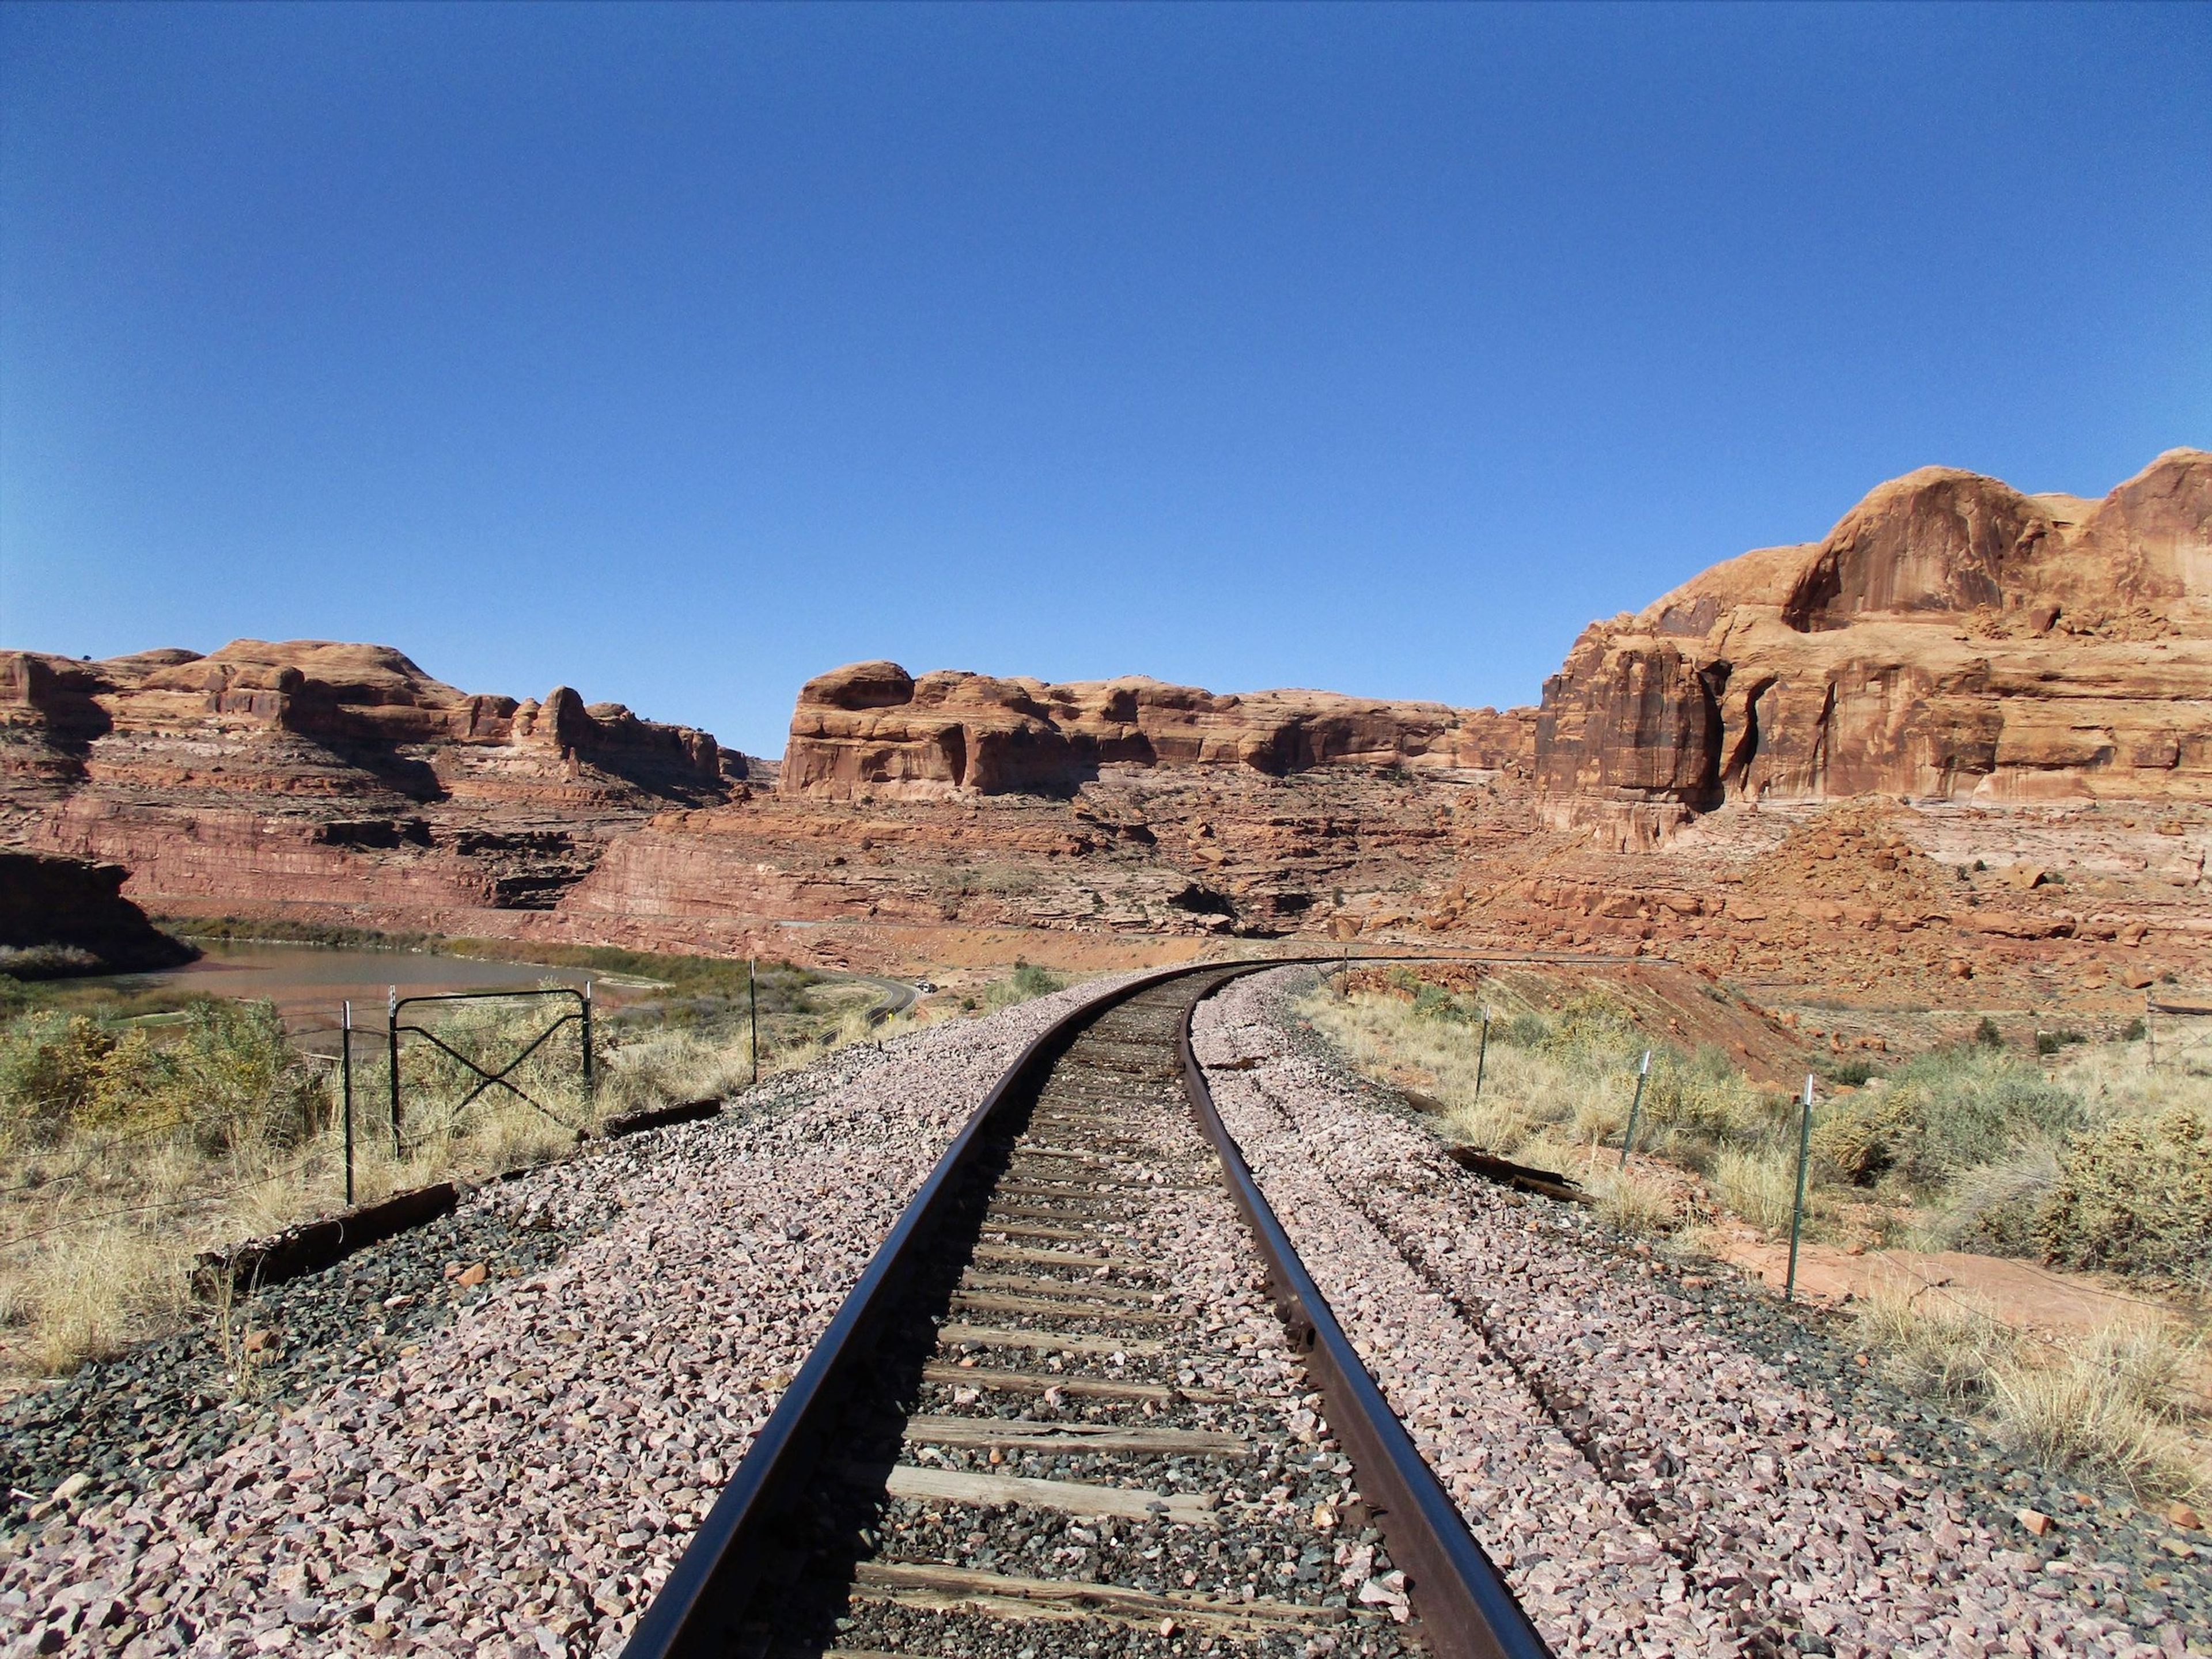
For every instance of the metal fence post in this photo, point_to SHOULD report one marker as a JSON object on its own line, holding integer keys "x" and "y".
{"x": 752, "y": 1013}
{"x": 2150, "y": 1037}
{"x": 1643, "y": 1073}
{"x": 345, "y": 1093}
{"x": 587, "y": 1038}
{"x": 392, "y": 1037}
{"x": 1797, "y": 1210}
{"x": 1482, "y": 1054}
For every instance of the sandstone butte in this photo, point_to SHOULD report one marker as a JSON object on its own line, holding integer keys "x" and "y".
{"x": 1950, "y": 639}
{"x": 1793, "y": 763}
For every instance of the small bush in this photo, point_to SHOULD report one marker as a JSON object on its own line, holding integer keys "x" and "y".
{"x": 2050, "y": 1042}
{"x": 50, "y": 1066}
{"x": 1523, "y": 1031}
{"x": 1434, "y": 1002}
{"x": 1850, "y": 1073}
{"x": 1987, "y": 1034}
{"x": 2136, "y": 1199}
{"x": 1962, "y": 1107}
{"x": 1865, "y": 1135}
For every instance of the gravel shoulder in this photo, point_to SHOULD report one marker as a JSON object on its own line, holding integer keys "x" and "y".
{"x": 507, "y": 1467}
{"x": 1661, "y": 1463}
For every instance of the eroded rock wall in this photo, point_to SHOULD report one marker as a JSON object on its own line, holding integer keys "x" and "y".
{"x": 872, "y": 728}
{"x": 1951, "y": 638}
{"x": 312, "y": 773}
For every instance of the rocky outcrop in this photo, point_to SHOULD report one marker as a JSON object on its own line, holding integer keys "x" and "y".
{"x": 60, "y": 916}
{"x": 316, "y": 773}
{"x": 872, "y": 728}
{"x": 1951, "y": 638}
{"x": 296, "y": 717}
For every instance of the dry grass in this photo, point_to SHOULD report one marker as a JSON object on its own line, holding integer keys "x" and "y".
{"x": 1759, "y": 1183}
{"x": 2111, "y": 1405}
{"x": 101, "y": 1219}
{"x": 1556, "y": 1090}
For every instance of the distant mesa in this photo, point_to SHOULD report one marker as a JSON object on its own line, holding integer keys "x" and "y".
{"x": 1950, "y": 638}
{"x": 872, "y": 728}
{"x": 368, "y": 705}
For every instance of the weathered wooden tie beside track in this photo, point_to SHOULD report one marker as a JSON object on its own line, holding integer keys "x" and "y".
{"x": 1029, "y": 1432}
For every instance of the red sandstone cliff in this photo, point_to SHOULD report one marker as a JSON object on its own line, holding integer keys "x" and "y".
{"x": 1950, "y": 638}
{"x": 311, "y": 772}
{"x": 873, "y": 728}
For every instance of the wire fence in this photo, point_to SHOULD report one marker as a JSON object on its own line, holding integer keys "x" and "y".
{"x": 423, "y": 1071}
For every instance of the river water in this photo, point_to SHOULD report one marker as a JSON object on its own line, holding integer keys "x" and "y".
{"x": 309, "y": 983}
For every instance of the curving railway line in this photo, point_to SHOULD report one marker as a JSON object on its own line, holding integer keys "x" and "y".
{"x": 1028, "y": 1433}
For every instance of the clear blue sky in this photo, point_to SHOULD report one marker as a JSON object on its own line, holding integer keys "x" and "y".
{"x": 679, "y": 353}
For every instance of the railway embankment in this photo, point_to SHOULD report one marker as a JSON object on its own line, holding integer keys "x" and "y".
{"x": 453, "y": 1461}
{"x": 1740, "y": 1481}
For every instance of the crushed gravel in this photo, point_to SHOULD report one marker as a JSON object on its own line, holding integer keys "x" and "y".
{"x": 1661, "y": 1468}
{"x": 511, "y": 1468}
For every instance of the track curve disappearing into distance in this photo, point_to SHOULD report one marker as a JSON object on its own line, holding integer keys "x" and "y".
{"x": 1048, "y": 1420}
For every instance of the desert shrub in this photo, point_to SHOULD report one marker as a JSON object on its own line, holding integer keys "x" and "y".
{"x": 48, "y": 1070}
{"x": 2136, "y": 1198}
{"x": 1026, "y": 981}
{"x": 47, "y": 961}
{"x": 1987, "y": 1034}
{"x": 225, "y": 1070}
{"x": 1434, "y": 1002}
{"x": 1997, "y": 1207}
{"x": 1593, "y": 1025}
{"x": 1702, "y": 1098}
{"x": 1850, "y": 1073}
{"x": 1526, "y": 1029}
{"x": 1958, "y": 1108}
{"x": 1863, "y": 1135}
{"x": 2050, "y": 1042}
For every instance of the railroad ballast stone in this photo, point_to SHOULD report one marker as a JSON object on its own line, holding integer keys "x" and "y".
{"x": 1760, "y": 1490}
{"x": 518, "y": 1471}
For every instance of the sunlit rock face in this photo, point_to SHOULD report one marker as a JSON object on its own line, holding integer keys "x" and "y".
{"x": 872, "y": 728}
{"x": 1951, "y": 638}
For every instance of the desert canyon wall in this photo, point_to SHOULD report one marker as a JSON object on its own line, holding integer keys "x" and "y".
{"x": 1950, "y": 639}
{"x": 321, "y": 773}
{"x": 2032, "y": 673}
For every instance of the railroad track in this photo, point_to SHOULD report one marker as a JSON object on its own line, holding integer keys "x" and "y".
{"x": 1053, "y": 1418}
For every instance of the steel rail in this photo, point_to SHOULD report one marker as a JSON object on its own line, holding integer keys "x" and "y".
{"x": 1465, "y": 1610}
{"x": 698, "y": 1610}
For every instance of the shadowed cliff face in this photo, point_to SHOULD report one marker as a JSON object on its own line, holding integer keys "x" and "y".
{"x": 872, "y": 728}
{"x": 1950, "y": 638}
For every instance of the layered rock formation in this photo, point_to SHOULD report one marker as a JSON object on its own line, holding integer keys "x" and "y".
{"x": 1951, "y": 638}
{"x": 872, "y": 728}
{"x": 315, "y": 773}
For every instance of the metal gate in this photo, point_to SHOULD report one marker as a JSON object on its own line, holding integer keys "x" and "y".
{"x": 502, "y": 1078}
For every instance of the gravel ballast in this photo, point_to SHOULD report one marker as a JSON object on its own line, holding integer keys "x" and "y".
{"x": 1730, "y": 1481}
{"x": 507, "y": 1468}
